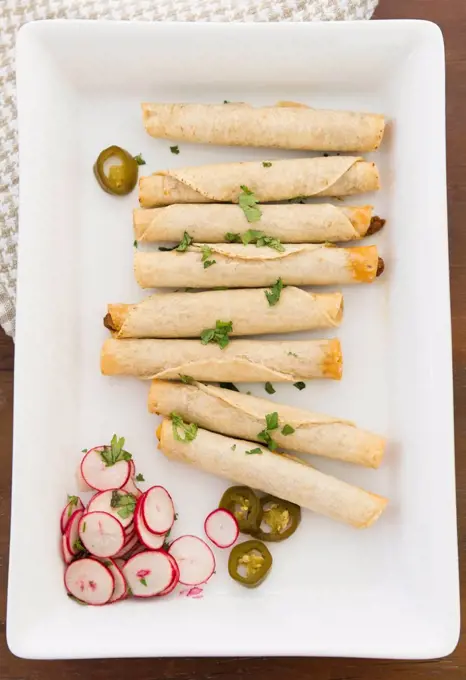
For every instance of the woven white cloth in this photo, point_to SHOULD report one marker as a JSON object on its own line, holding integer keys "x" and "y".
{"x": 14, "y": 13}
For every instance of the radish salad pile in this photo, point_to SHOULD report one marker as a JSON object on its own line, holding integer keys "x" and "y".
{"x": 117, "y": 545}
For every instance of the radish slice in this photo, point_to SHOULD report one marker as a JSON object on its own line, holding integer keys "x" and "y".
{"x": 135, "y": 550}
{"x": 133, "y": 468}
{"x": 67, "y": 556}
{"x": 120, "y": 590}
{"x": 100, "y": 476}
{"x": 81, "y": 484}
{"x": 75, "y": 503}
{"x": 157, "y": 510}
{"x": 150, "y": 540}
{"x": 195, "y": 560}
{"x": 221, "y": 528}
{"x": 175, "y": 579}
{"x": 127, "y": 547}
{"x": 149, "y": 573}
{"x": 72, "y": 531}
{"x": 89, "y": 581}
{"x": 129, "y": 531}
{"x": 102, "y": 502}
{"x": 130, "y": 487}
{"x": 101, "y": 534}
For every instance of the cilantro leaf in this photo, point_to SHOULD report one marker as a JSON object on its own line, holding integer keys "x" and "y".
{"x": 232, "y": 238}
{"x": 273, "y": 295}
{"x": 266, "y": 164}
{"x": 78, "y": 546}
{"x": 167, "y": 249}
{"x": 229, "y": 386}
{"x": 272, "y": 420}
{"x": 261, "y": 240}
{"x": 269, "y": 388}
{"x": 175, "y": 149}
{"x": 180, "y": 428}
{"x": 135, "y": 244}
{"x": 233, "y": 448}
{"x": 248, "y": 204}
{"x": 143, "y": 581}
{"x": 139, "y": 159}
{"x": 84, "y": 450}
{"x": 287, "y": 429}
{"x": 186, "y": 379}
{"x": 140, "y": 477}
{"x": 251, "y": 451}
{"x": 126, "y": 503}
{"x": 72, "y": 503}
{"x": 225, "y": 101}
{"x": 184, "y": 243}
{"x": 299, "y": 385}
{"x": 206, "y": 253}
{"x": 219, "y": 334}
{"x": 114, "y": 453}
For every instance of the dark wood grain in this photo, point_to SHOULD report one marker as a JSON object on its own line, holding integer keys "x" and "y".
{"x": 451, "y": 16}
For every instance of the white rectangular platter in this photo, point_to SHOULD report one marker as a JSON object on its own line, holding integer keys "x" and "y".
{"x": 389, "y": 591}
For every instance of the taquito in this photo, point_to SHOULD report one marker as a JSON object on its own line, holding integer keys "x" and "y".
{"x": 238, "y": 266}
{"x": 290, "y": 126}
{"x": 278, "y": 474}
{"x": 292, "y": 223}
{"x": 184, "y": 315}
{"x": 284, "y": 179}
{"x": 239, "y": 361}
{"x": 240, "y": 415}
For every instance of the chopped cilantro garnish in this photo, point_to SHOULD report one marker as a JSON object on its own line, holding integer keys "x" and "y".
{"x": 299, "y": 385}
{"x": 287, "y": 429}
{"x": 139, "y": 159}
{"x": 175, "y": 149}
{"x": 269, "y": 388}
{"x": 218, "y": 335}
{"x": 114, "y": 453}
{"x": 273, "y": 295}
{"x": 183, "y": 432}
{"x": 184, "y": 243}
{"x": 248, "y": 204}
{"x": 251, "y": 451}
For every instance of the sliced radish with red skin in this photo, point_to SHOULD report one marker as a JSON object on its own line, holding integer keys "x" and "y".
{"x": 195, "y": 559}
{"x": 149, "y": 573}
{"x": 120, "y": 591}
{"x": 129, "y": 530}
{"x": 127, "y": 547}
{"x": 89, "y": 581}
{"x": 150, "y": 540}
{"x": 135, "y": 550}
{"x": 101, "y": 502}
{"x": 158, "y": 510}
{"x": 68, "y": 510}
{"x": 133, "y": 468}
{"x": 101, "y": 477}
{"x": 175, "y": 579}
{"x": 67, "y": 556}
{"x": 80, "y": 482}
{"x": 101, "y": 534}
{"x": 72, "y": 531}
{"x": 221, "y": 527}
{"x": 130, "y": 487}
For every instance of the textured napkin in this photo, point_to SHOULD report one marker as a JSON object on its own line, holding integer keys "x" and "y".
{"x": 14, "y": 13}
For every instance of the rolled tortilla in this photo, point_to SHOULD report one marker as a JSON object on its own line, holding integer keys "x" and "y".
{"x": 236, "y": 265}
{"x": 240, "y": 361}
{"x": 295, "y": 223}
{"x": 241, "y": 415}
{"x": 281, "y": 127}
{"x": 278, "y": 474}
{"x": 183, "y": 315}
{"x": 284, "y": 179}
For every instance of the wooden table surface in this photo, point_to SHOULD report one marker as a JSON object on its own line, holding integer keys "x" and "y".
{"x": 451, "y": 16}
